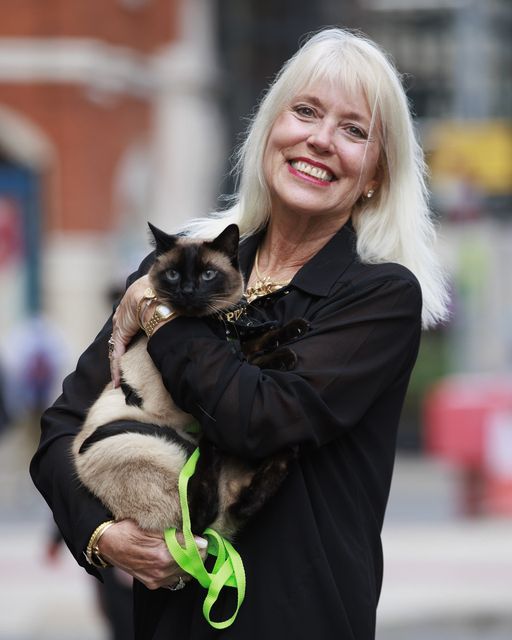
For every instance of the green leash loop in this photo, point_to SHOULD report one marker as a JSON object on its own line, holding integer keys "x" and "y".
{"x": 228, "y": 570}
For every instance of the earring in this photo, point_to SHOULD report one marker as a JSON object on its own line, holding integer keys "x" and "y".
{"x": 370, "y": 193}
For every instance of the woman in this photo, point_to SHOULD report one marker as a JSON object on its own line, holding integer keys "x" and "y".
{"x": 332, "y": 207}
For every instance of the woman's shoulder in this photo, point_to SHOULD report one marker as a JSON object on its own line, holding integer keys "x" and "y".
{"x": 377, "y": 283}
{"x": 371, "y": 274}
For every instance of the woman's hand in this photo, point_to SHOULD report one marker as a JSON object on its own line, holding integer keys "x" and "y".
{"x": 125, "y": 325}
{"x": 143, "y": 555}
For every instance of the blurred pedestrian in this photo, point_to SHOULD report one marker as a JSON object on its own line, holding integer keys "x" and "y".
{"x": 336, "y": 229}
{"x": 34, "y": 353}
{"x": 4, "y": 416}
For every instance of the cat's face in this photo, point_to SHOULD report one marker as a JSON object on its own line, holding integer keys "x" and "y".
{"x": 196, "y": 277}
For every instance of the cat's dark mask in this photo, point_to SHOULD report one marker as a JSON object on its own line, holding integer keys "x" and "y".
{"x": 226, "y": 242}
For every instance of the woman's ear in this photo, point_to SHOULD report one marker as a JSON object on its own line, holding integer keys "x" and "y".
{"x": 370, "y": 188}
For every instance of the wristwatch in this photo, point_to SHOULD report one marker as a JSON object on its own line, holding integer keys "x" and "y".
{"x": 161, "y": 313}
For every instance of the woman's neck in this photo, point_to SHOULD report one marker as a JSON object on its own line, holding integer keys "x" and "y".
{"x": 287, "y": 246}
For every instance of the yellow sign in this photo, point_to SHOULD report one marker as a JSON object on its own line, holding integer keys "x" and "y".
{"x": 475, "y": 151}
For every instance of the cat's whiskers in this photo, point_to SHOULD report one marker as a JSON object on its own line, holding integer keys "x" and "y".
{"x": 215, "y": 305}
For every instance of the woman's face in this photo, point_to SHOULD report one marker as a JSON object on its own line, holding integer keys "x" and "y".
{"x": 320, "y": 155}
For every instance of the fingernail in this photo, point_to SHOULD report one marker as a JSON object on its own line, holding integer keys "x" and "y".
{"x": 201, "y": 543}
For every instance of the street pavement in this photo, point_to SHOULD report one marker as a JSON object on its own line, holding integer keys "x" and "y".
{"x": 446, "y": 577}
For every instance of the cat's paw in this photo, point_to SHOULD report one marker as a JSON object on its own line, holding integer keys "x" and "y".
{"x": 283, "y": 359}
{"x": 293, "y": 330}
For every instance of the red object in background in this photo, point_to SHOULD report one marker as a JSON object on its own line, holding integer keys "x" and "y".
{"x": 11, "y": 245}
{"x": 497, "y": 494}
{"x": 456, "y": 416}
{"x": 468, "y": 421}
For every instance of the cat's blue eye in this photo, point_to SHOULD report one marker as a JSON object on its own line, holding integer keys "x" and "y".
{"x": 172, "y": 275}
{"x": 209, "y": 274}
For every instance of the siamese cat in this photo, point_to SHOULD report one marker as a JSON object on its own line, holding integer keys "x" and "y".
{"x": 135, "y": 440}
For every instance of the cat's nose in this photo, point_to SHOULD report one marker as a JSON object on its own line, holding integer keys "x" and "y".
{"x": 187, "y": 288}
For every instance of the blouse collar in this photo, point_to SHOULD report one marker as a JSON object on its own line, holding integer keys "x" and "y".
{"x": 322, "y": 271}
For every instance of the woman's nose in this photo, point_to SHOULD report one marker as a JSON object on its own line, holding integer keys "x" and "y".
{"x": 322, "y": 136}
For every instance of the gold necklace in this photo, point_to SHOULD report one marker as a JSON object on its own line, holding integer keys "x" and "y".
{"x": 263, "y": 285}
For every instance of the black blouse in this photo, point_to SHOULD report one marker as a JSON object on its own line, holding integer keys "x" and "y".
{"x": 312, "y": 555}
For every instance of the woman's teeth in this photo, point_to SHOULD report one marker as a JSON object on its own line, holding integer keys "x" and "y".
{"x": 310, "y": 170}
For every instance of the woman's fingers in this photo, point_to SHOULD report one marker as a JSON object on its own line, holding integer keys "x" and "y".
{"x": 125, "y": 324}
{"x": 142, "y": 554}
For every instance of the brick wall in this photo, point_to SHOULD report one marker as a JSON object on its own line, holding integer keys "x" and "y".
{"x": 89, "y": 140}
{"x": 89, "y": 127}
{"x": 144, "y": 28}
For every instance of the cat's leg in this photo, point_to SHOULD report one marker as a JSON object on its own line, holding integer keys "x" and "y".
{"x": 203, "y": 487}
{"x": 268, "y": 351}
{"x": 281, "y": 335}
{"x": 265, "y": 482}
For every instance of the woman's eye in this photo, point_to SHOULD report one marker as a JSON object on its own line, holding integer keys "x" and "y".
{"x": 172, "y": 275}
{"x": 304, "y": 110}
{"x": 356, "y": 131}
{"x": 209, "y": 274}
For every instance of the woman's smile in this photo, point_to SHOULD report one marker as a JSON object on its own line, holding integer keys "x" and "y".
{"x": 313, "y": 171}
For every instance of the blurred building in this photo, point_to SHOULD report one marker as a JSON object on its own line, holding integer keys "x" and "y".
{"x": 457, "y": 59}
{"x": 107, "y": 116}
{"x": 454, "y": 52}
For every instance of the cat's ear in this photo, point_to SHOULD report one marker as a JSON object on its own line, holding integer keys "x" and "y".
{"x": 227, "y": 242}
{"x": 162, "y": 241}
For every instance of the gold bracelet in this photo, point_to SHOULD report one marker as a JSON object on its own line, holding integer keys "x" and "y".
{"x": 93, "y": 553}
{"x": 143, "y": 311}
{"x": 148, "y": 297}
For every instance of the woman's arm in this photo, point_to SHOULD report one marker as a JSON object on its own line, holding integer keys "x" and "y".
{"x": 361, "y": 341}
{"x": 76, "y": 512}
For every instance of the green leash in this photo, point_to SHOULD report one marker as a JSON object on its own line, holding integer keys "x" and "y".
{"x": 228, "y": 570}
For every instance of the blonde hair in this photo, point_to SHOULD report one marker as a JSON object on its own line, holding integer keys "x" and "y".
{"x": 395, "y": 225}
